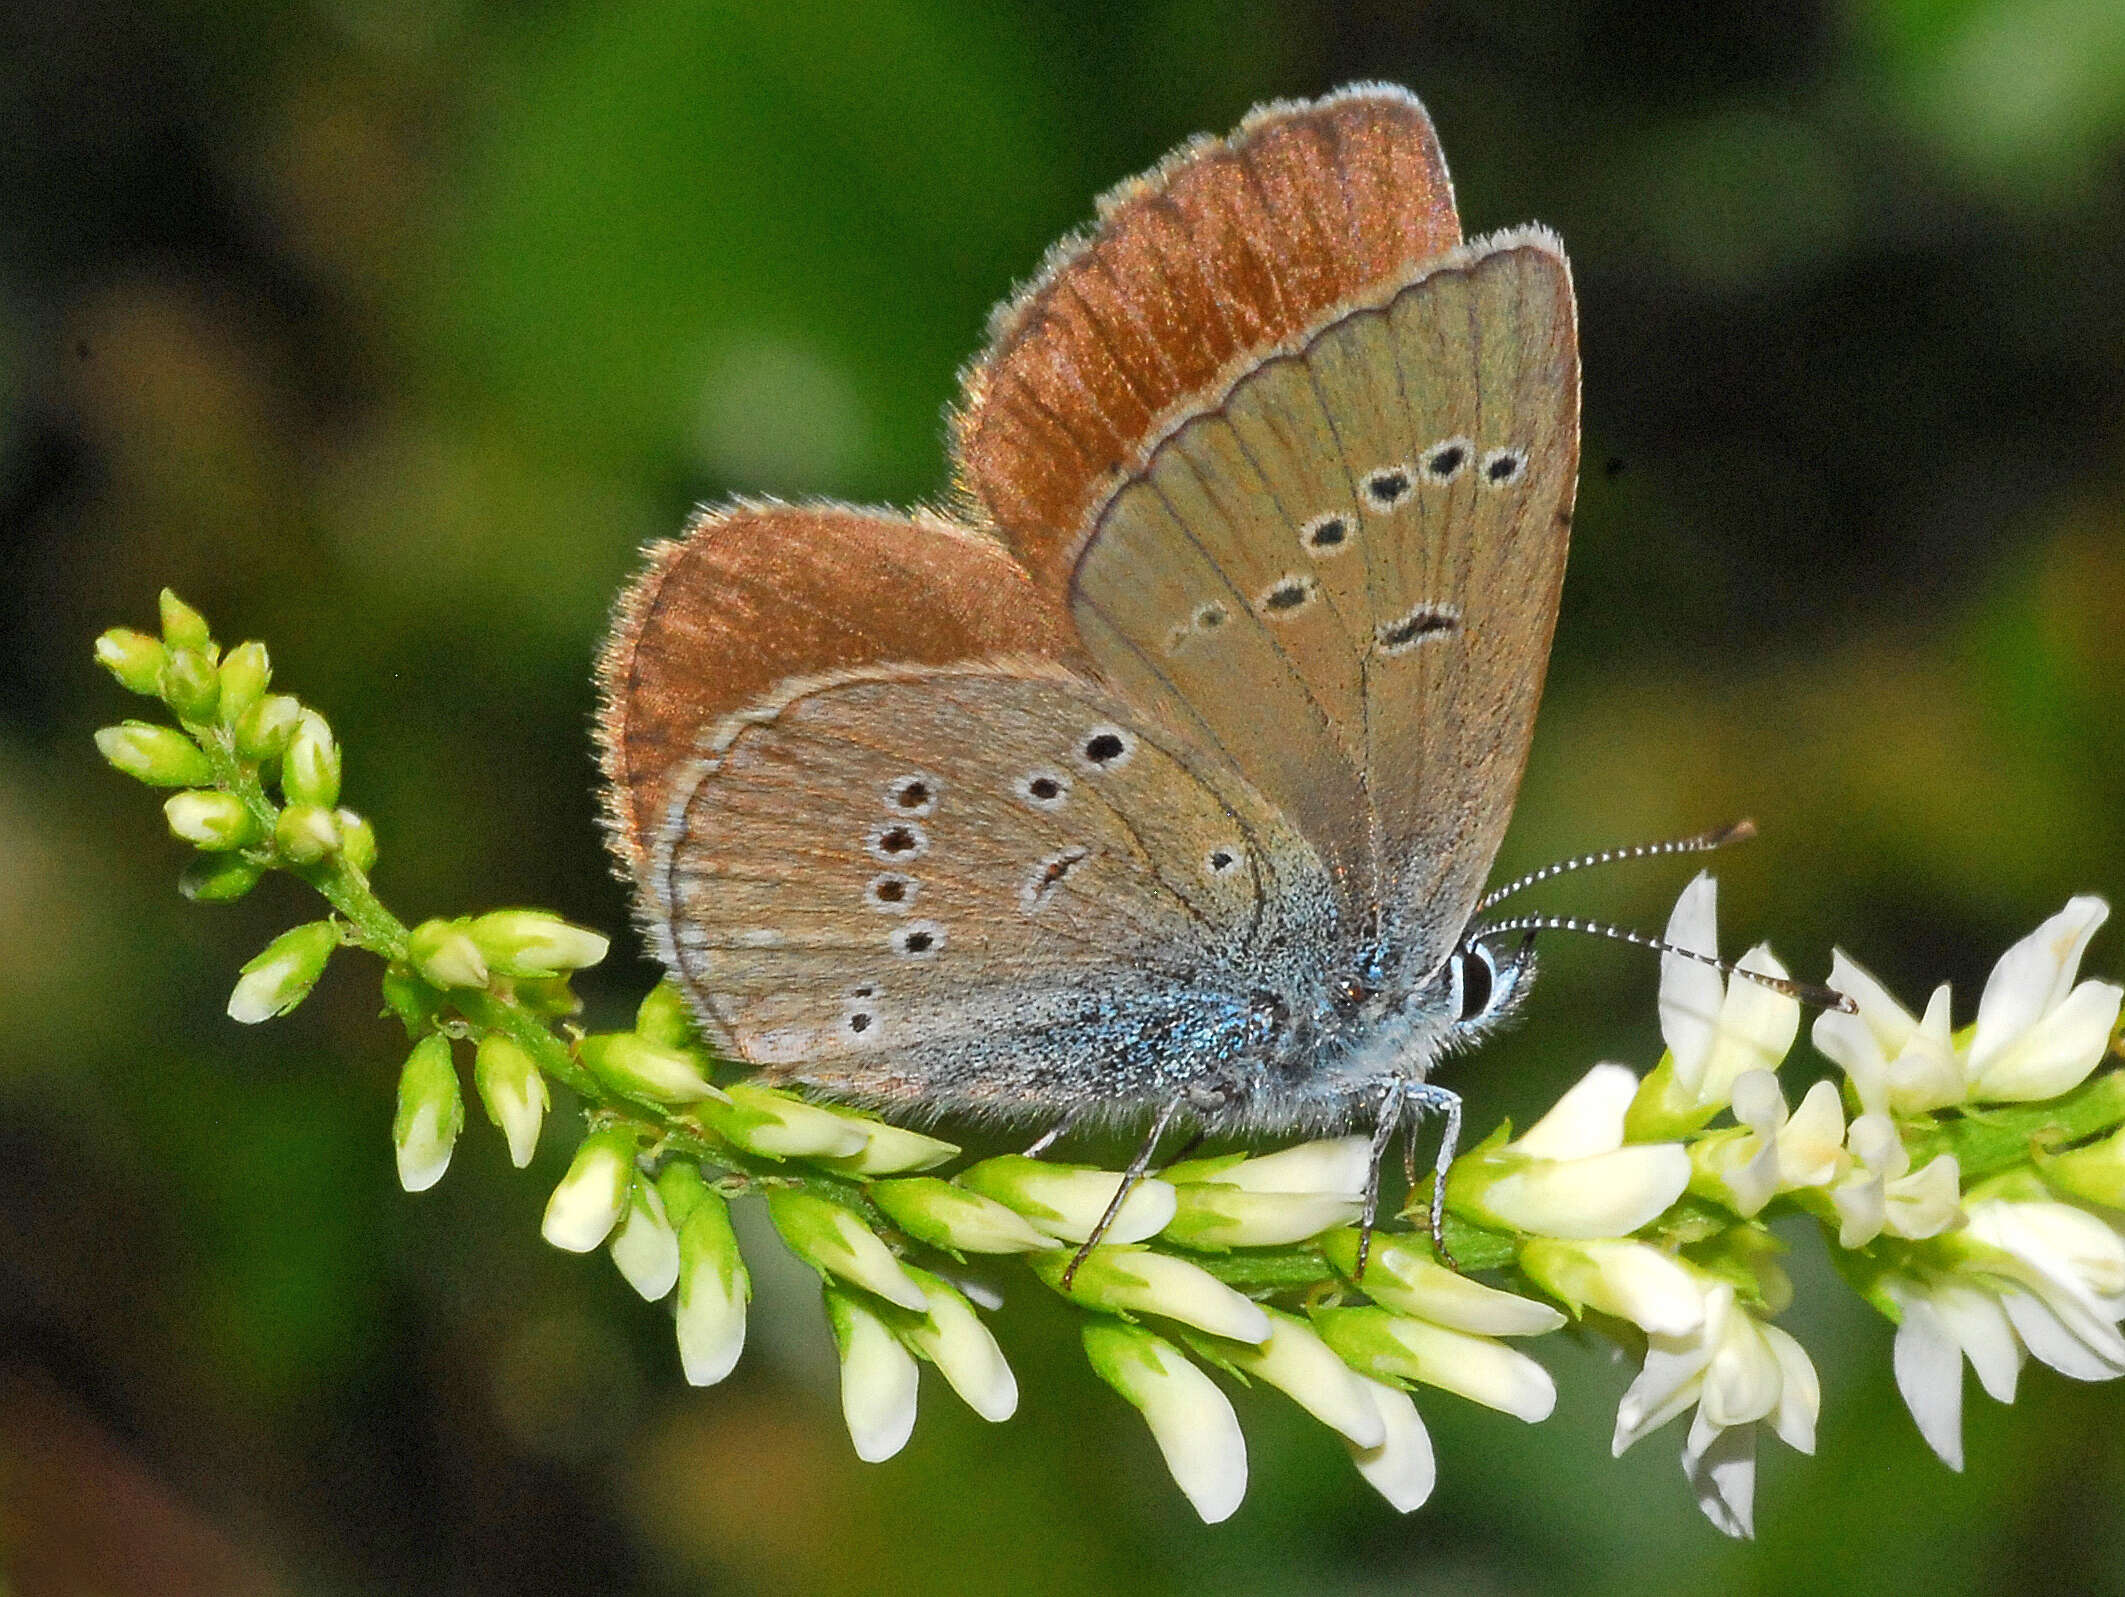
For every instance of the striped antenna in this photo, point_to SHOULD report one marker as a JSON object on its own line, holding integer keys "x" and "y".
{"x": 1807, "y": 992}
{"x": 1703, "y": 843}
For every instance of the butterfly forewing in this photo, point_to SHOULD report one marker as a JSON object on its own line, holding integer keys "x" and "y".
{"x": 1344, "y": 574}
{"x": 903, "y": 876}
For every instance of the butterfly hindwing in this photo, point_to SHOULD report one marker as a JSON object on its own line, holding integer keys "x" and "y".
{"x": 969, "y": 882}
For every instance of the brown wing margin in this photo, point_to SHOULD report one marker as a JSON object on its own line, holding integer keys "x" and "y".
{"x": 755, "y": 593}
{"x": 1227, "y": 248}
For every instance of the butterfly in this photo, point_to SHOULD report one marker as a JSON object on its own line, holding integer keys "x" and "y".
{"x": 1160, "y": 776}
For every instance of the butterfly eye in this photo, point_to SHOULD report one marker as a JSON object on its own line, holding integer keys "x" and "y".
{"x": 1474, "y": 981}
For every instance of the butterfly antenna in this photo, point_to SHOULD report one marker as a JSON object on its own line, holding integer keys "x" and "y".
{"x": 1703, "y": 843}
{"x": 1806, "y": 991}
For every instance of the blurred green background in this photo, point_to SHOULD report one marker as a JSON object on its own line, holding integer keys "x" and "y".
{"x": 387, "y": 330}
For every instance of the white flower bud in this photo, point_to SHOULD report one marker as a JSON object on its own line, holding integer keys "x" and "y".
{"x": 534, "y": 943}
{"x": 834, "y": 1241}
{"x": 587, "y": 1204}
{"x": 430, "y": 1114}
{"x": 878, "y": 1379}
{"x": 1298, "y": 1363}
{"x": 1632, "y": 1281}
{"x": 1400, "y": 1274}
{"x": 645, "y": 1247}
{"x": 209, "y": 820}
{"x": 513, "y": 1092}
{"x": 156, "y": 755}
{"x": 1401, "y": 1468}
{"x": 780, "y": 1126}
{"x": 445, "y": 956}
{"x": 309, "y": 770}
{"x": 1190, "y": 1419}
{"x": 946, "y": 1215}
{"x": 889, "y": 1150}
{"x": 643, "y": 1069}
{"x": 952, "y": 1337}
{"x": 281, "y": 977}
{"x": 714, "y": 1285}
{"x": 1394, "y": 1347}
{"x": 1133, "y": 1280}
{"x": 1066, "y": 1201}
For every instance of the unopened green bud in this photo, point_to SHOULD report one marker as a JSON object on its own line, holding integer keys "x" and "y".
{"x": 134, "y": 658}
{"x": 430, "y": 1114}
{"x": 834, "y": 1241}
{"x": 306, "y": 833}
{"x": 643, "y": 1069}
{"x": 155, "y": 755}
{"x": 513, "y": 1092}
{"x": 664, "y": 1018}
{"x": 357, "y": 840}
{"x": 531, "y": 942}
{"x": 263, "y": 730}
{"x": 245, "y": 671}
{"x": 444, "y": 955}
{"x": 219, "y": 878}
{"x": 414, "y": 1002}
{"x": 309, "y": 771}
{"x": 550, "y": 996}
{"x": 281, "y": 977}
{"x": 950, "y": 1217}
{"x": 182, "y": 626}
{"x": 190, "y": 684}
{"x": 587, "y": 1204}
{"x": 210, "y": 820}
{"x": 2095, "y": 1173}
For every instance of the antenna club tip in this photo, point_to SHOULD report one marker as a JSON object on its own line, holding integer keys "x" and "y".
{"x": 1740, "y": 832}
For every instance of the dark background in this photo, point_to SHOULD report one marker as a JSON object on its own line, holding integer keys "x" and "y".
{"x": 387, "y": 331}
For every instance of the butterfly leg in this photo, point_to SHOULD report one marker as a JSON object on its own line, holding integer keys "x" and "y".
{"x": 1383, "y": 1131}
{"x": 1127, "y": 1184}
{"x": 1054, "y": 1134}
{"x": 1424, "y": 1098}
